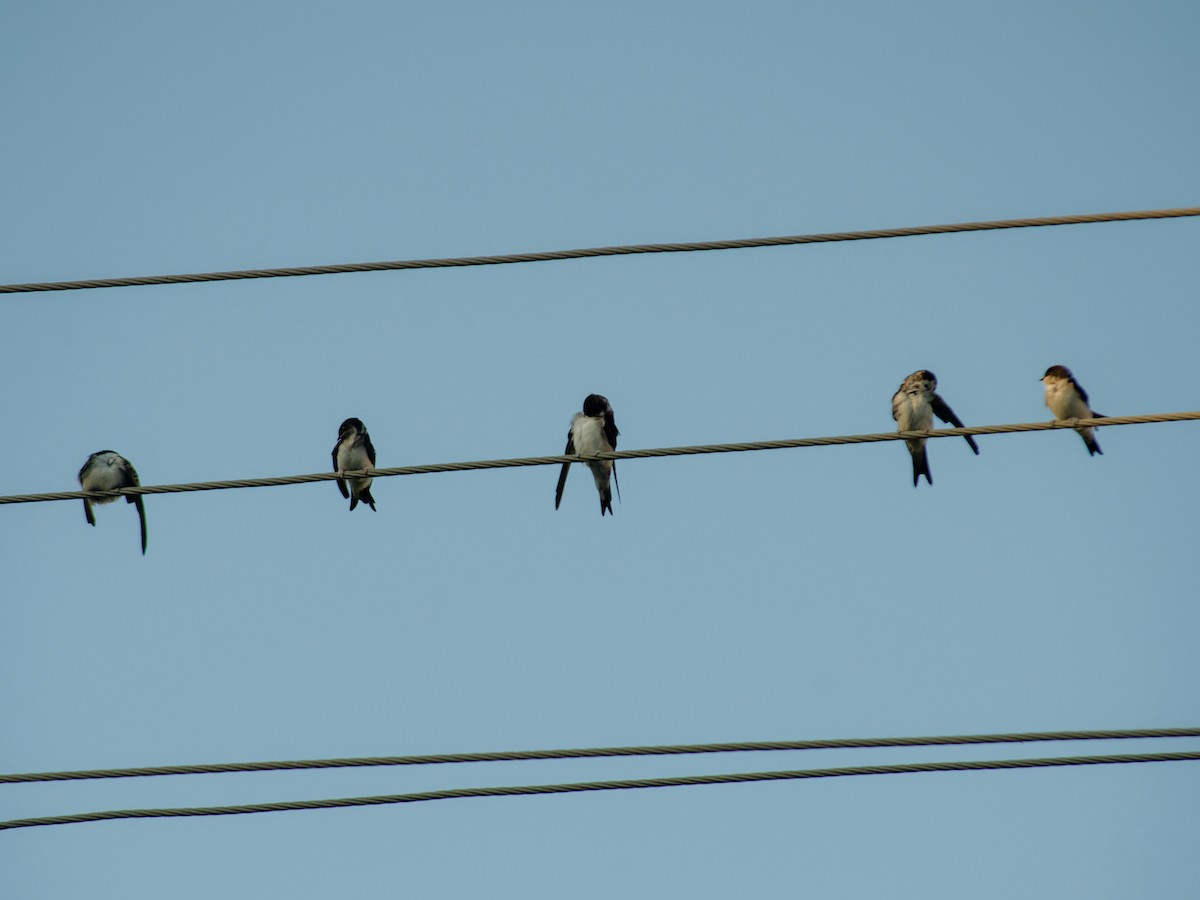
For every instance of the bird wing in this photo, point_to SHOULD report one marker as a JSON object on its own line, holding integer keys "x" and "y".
{"x": 562, "y": 476}
{"x": 136, "y": 500}
{"x": 340, "y": 482}
{"x": 942, "y": 410}
{"x": 610, "y": 429}
{"x": 1078, "y": 389}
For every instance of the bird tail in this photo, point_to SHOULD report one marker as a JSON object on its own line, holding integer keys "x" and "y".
{"x": 603, "y": 475}
{"x": 365, "y": 496}
{"x": 920, "y": 464}
{"x": 1089, "y": 438}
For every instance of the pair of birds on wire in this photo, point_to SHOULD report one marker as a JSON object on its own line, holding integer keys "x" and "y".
{"x": 107, "y": 470}
{"x": 916, "y": 402}
{"x": 594, "y": 430}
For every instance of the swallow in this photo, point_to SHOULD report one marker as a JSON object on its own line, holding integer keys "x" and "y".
{"x": 352, "y": 452}
{"x": 1067, "y": 399}
{"x": 593, "y": 431}
{"x": 913, "y": 407}
{"x": 108, "y": 471}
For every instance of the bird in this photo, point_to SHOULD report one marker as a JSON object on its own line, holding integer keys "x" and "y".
{"x": 354, "y": 451}
{"x": 1067, "y": 399}
{"x": 914, "y": 405}
{"x": 106, "y": 470}
{"x": 593, "y": 431}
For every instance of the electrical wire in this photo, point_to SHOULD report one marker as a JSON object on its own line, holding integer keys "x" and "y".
{"x": 555, "y": 460}
{"x": 620, "y": 454}
{"x": 604, "y": 752}
{"x": 591, "y": 252}
{"x": 623, "y": 785}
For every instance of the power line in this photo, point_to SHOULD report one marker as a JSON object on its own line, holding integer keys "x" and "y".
{"x": 590, "y": 252}
{"x": 621, "y": 454}
{"x": 623, "y": 785}
{"x": 604, "y": 752}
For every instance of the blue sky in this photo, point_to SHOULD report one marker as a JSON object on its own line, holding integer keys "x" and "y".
{"x": 765, "y": 596}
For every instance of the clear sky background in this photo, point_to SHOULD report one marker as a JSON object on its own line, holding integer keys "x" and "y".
{"x": 764, "y": 596}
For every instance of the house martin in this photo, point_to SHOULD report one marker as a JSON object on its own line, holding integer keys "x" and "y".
{"x": 593, "y": 431}
{"x": 913, "y": 407}
{"x": 1067, "y": 399}
{"x": 109, "y": 471}
{"x": 353, "y": 452}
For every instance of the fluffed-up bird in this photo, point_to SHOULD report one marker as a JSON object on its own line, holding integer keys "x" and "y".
{"x": 914, "y": 405}
{"x": 106, "y": 470}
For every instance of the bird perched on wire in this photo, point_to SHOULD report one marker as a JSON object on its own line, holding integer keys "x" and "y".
{"x": 1067, "y": 399}
{"x": 913, "y": 407}
{"x": 353, "y": 452}
{"x": 106, "y": 470}
{"x": 593, "y": 431}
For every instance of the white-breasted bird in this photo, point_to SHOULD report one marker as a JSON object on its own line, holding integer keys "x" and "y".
{"x": 1066, "y": 398}
{"x": 354, "y": 452}
{"x": 106, "y": 470}
{"x": 593, "y": 431}
{"x": 914, "y": 405}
